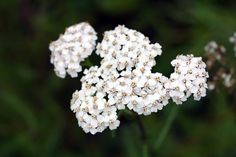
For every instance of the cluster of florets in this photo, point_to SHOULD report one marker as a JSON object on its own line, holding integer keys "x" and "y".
{"x": 124, "y": 80}
{"x": 72, "y": 47}
{"x": 129, "y": 56}
{"x": 93, "y": 110}
{"x": 233, "y": 40}
{"x": 188, "y": 78}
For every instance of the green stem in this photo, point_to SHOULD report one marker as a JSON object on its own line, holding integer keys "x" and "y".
{"x": 166, "y": 128}
{"x": 145, "y": 152}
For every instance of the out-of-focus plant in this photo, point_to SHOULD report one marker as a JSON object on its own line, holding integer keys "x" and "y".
{"x": 221, "y": 71}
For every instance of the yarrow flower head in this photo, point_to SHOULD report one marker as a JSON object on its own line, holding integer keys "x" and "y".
{"x": 189, "y": 77}
{"x": 72, "y": 47}
{"x": 125, "y": 81}
{"x": 128, "y": 57}
{"x": 126, "y": 48}
{"x": 93, "y": 111}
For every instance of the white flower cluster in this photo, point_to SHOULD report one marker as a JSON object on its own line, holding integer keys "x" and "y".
{"x": 71, "y": 48}
{"x": 124, "y": 79}
{"x": 233, "y": 40}
{"x": 129, "y": 55}
{"x": 188, "y": 78}
{"x": 93, "y": 111}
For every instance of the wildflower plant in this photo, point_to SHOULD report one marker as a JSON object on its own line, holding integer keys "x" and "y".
{"x": 124, "y": 79}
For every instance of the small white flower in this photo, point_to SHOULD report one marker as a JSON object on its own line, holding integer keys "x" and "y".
{"x": 228, "y": 81}
{"x": 233, "y": 38}
{"x": 211, "y": 47}
{"x": 233, "y": 41}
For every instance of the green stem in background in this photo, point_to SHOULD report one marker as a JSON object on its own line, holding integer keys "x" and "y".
{"x": 164, "y": 131}
{"x": 143, "y": 138}
{"x": 145, "y": 150}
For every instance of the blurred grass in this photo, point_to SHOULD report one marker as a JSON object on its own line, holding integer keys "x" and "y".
{"x": 35, "y": 118}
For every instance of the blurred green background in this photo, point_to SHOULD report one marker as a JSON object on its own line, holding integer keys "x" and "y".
{"x": 35, "y": 116}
